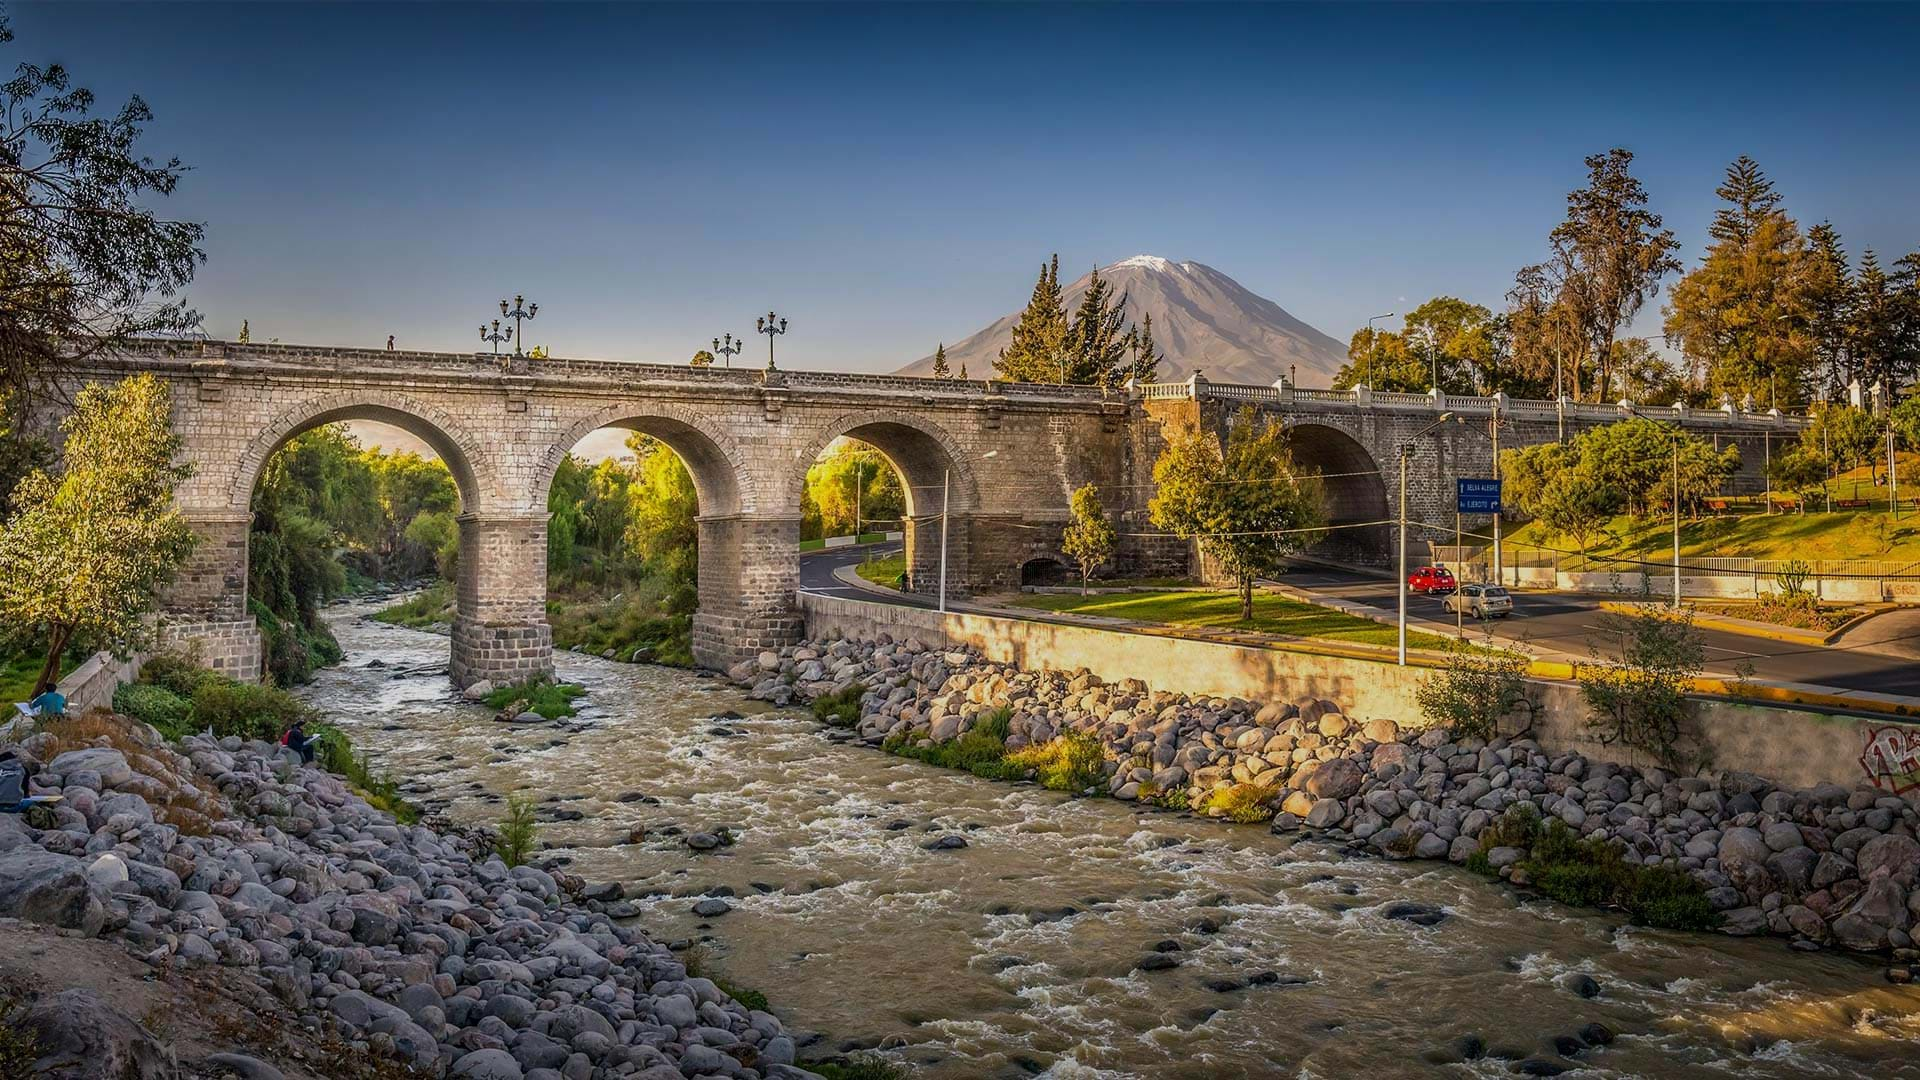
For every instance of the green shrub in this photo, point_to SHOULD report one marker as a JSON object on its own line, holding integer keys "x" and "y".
{"x": 1594, "y": 872}
{"x": 251, "y": 712}
{"x": 981, "y": 750}
{"x": 18, "y": 1049}
{"x": 333, "y": 751}
{"x": 1244, "y": 803}
{"x": 1073, "y": 762}
{"x": 859, "y": 1067}
{"x": 550, "y": 699}
{"x": 841, "y": 709}
{"x": 517, "y": 831}
{"x": 169, "y": 713}
{"x": 179, "y": 673}
{"x": 430, "y": 606}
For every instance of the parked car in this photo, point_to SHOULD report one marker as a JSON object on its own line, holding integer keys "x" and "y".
{"x": 1482, "y": 601}
{"x": 1431, "y": 579}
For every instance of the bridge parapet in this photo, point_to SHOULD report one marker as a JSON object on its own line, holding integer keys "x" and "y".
{"x": 1282, "y": 393}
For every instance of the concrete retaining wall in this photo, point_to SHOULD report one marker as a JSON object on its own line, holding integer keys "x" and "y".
{"x": 91, "y": 685}
{"x": 1792, "y": 747}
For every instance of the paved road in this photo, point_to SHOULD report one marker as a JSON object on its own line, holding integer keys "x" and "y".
{"x": 1565, "y": 624}
{"x": 817, "y": 567}
{"x": 1554, "y": 621}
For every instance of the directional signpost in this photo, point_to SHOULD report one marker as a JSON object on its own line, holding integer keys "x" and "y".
{"x": 1478, "y": 497}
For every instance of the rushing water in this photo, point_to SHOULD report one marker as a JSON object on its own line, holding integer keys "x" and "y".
{"x": 1016, "y": 954}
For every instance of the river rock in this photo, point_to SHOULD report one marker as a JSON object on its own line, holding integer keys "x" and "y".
{"x": 1336, "y": 778}
{"x": 80, "y": 1036}
{"x": 47, "y": 887}
{"x": 1893, "y": 855}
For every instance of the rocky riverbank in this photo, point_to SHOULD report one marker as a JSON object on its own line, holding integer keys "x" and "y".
{"x": 1826, "y": 866}
{"x": 404, "y": 950}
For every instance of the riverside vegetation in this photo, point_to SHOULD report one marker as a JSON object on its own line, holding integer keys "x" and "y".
{"x": 1824, "y": 866}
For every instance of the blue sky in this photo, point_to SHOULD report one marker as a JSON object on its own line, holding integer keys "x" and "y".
{"x": 890, "y": 176}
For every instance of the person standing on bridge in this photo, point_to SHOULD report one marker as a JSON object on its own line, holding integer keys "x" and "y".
{"x": 389, "y": 342}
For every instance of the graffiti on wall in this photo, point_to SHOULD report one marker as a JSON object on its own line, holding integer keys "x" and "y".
{"x": 1892, "y": 758}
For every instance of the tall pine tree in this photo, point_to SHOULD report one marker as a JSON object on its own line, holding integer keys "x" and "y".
{"x": 1146, "y": 355}
{"x": 1739, "y": 315}
{"x": 1038, "y": 349}
{"x": 940, "y": 369}
{"x": 1096, "y": 344}
{"x": 1827, "y": 297}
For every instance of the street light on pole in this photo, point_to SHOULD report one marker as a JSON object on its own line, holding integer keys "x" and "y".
{"x": 496, "y": 336}
{"x": 1406, "y": 452}
{"x": 946, "y": 488}
{"x": 772, "y": 326}
{"x": 1373, "y": 346}
{"x": 730, "y": 350}
{"x": 521, "y": 310}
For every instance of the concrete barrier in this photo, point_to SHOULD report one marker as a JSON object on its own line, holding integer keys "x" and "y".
{"x": 1793, "y": 747}
{"x": 91, "y": 685}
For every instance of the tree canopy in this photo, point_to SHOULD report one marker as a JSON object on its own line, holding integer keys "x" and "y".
{"x": 83, "y": 555}
{"x": 1089, "y": 537}
{"x": 1247, "y": 503}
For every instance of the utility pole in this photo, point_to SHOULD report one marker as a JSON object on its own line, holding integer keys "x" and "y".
{"x": 1373, "y": 347}
{"x": 1499, "y": 576}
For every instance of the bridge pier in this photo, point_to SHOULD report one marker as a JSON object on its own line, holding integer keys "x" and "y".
{"x": 749, "y": 580}
{"x": 500, "y": 631}
{"x": 204, "y": 612}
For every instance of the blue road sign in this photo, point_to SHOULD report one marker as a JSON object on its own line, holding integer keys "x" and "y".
{"x": 1479, "y": 496}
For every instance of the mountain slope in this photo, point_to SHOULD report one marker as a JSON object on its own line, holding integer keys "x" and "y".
{"x": 1201, "y": 319}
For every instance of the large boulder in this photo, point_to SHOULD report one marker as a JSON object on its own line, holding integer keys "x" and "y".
{"x": 81, "y": 1037}
{"x": 1336, "y": 778}
{"x": 47, "y": 887}
{"x": 1867, "y": 923}
{"x": 1891, "y": 854}
{"x": 110, "y": 765}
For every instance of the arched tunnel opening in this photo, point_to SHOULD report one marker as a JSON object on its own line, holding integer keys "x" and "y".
{"x": 1356, "y": 491}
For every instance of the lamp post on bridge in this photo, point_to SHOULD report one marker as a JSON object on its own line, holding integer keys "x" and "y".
{"x": 496, "y": 336}
{"x": 730, "y": 350}
{"x": 1373, "y": 347}
{"x": 772, "y": 326}
{"x": 521, "y": 310}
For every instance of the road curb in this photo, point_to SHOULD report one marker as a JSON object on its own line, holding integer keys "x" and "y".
{"x": 1729, "y": 625}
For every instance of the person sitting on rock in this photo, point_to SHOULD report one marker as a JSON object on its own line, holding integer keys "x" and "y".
{"x": 297, "y": 740}
{"x": 51, "y": 705}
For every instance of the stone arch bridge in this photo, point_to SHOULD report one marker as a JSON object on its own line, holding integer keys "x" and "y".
{"x": 1006, "y": 455}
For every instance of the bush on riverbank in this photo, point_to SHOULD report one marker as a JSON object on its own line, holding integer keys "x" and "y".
{"x": 430, "y": 607}
{"x": 982, "y": 750}
{"x": 550, "y": 699}
{"x": 1247, "y": 804}
{"x": 178, "y": 698}
{"x": 1594, "y": 873}
{"x": 641, "y": 620}
{"x": 840, "y": 709}
{"x": 860, "y": 1067}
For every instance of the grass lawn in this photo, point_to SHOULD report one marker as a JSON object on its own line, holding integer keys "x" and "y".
{"x": 885, "y": 571}
{"x": 1271, "y": 615}
{"x": 17, "y": 673}
{"x": 1843, "y": 534}
{"x": 431, "y": 605}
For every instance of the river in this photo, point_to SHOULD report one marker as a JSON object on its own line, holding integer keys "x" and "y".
{"x": 1016, "y": 954}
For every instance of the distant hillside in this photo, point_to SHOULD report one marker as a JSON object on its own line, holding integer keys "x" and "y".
{"x": 1201, "y": 319}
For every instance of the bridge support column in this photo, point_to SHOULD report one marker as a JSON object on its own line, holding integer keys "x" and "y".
{"x": 749, "y": 574}
{"x": 204, "y": 612}
{"x": 500, "y": 631}
{"x": 923, "y": 555}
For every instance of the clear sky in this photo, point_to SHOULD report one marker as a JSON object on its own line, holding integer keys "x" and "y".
{"x": 891, "y": 176}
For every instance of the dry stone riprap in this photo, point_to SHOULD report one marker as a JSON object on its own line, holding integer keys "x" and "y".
{"x": 408, "y": 942}
{"x": 1826, "y": 866}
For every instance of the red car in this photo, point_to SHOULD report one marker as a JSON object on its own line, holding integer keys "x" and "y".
{"x": 1431, "y": 579}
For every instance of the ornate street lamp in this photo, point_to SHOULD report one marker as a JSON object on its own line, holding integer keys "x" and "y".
{"x": 772, "y": 326}
{"x": 517, "y": 314}
{"x": 730, "y": 350}
{"x": 496, "y": 336}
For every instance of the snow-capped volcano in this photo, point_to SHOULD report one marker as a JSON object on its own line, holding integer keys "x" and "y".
{"x": 1201, "y": 319}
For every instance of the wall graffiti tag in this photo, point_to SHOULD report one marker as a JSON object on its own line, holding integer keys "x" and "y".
{"x": 1892, "y": 758}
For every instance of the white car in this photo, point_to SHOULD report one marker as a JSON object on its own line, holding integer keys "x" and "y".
{"x": 1481, "y": 601}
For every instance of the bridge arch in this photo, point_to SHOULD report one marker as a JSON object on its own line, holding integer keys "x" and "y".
{"x": 722, "y": 479}
{"x": 1356, "y": 489}
{"x": 930, "y": 461}
{"x": 920, "y": 450}
{"x": 457, "y": 446}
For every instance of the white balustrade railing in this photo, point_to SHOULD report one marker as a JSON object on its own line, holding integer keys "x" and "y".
{"x": 1282, "y": 393}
